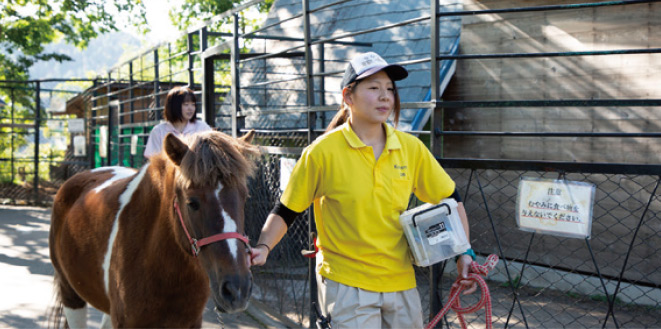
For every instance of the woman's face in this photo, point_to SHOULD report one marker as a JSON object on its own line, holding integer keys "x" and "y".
{"x": 187, "y": 110}
{"x": 372, "y": 100}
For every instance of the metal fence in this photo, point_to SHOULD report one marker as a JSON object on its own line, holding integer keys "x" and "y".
{"x": 608, "y": 280}
{"x": 36, "y": 156}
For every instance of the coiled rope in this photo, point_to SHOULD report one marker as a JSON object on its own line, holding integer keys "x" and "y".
{"x": 477, "y": 272}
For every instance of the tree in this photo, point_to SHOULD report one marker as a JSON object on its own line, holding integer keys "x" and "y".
{"x": 26, "y": 26}
{"x": 194, "y": 12}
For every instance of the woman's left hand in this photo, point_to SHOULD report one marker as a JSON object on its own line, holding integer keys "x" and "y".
{"x": 463, "y": 268}
{"x": 258, "y": 255}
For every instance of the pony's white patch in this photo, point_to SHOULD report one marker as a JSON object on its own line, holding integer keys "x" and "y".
{"x": 105, "y": 322}
{"x": 124, "y": 199}
{"x": 230, "y": 226}
{"x": 77, "y": 318}
{"x": 118, "y": 173}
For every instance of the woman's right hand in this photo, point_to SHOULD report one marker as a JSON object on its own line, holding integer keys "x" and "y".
{"x": 259, "y": 255}
{"x": 463, "y": 269}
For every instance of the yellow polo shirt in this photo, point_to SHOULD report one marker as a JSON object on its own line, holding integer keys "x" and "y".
{"x": 357, "y": 203}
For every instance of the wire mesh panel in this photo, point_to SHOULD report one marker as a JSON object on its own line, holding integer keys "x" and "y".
{"x": 550, "y": 281}
{"x": 283, "y": 283}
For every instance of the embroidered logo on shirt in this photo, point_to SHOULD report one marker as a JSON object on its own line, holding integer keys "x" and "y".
{"x": 402, "y": 168}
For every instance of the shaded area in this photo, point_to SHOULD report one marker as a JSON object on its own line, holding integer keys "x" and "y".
{"x": 26, "y": 276}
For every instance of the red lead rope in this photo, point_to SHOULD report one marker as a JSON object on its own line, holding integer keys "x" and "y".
{"x": 477, "y": 271}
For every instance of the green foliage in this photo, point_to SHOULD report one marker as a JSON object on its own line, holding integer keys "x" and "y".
{"x": 194, "y": 12}
{"x": 603, "y": 298}
{"x": 26, "y": 26}
{"x": 515, "y": 282}
{"x": 17, "y": 111}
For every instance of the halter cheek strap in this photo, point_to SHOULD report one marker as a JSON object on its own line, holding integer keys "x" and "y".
{"x": 197, "y": 244}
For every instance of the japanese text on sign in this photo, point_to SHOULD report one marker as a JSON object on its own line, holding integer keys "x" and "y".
{"x": 556, "y": 207}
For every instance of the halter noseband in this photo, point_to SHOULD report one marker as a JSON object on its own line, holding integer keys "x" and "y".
{"x": 197, "y": 244}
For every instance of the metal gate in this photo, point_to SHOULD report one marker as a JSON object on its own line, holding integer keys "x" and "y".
{"x": 36, "y": 147}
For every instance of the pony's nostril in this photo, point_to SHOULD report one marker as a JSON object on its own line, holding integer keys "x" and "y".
{"x": 234, "y": 292}
{"x": 229, "y": 291}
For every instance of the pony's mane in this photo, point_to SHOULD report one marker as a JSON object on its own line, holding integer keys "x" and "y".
{"x": 215, "y": 157}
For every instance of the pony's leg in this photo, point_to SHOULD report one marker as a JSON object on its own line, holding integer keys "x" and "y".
{"x": 105, "y": 322}
{"x": 76, "y": 318}
{"x": 75, "y": 308}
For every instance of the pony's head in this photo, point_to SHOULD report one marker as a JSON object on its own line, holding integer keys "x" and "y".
{"x": 211, "y": 191}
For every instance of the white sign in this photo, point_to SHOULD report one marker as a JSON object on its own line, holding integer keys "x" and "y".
{"x": 76, "y": 125}
{"x": 557, "y": 207}
{"x": 286, "y": 168}
{"x": 79, "y": 146}
{"x": 134, "y": 144}
{"x": 103, "y": 141}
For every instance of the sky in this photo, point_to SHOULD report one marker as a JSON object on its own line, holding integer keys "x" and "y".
{"x": 158, "y": 20}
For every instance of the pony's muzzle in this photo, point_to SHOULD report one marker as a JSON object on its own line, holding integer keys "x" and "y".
{"x": 234, "y": 293}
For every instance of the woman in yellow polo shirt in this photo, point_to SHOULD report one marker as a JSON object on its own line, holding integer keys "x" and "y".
{"x": 359, "y": 175}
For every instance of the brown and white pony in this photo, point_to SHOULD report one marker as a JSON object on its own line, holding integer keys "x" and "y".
{"x": 124, "y": 240}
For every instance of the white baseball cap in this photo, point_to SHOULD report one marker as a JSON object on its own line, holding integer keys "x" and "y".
{"x": 366, "y": 64}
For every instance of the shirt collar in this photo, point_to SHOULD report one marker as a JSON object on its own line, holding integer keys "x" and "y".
{"x": 392, "y": 141}
{"x": 174, "y": 130}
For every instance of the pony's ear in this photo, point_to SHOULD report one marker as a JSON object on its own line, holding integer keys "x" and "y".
{"x": 246, "y": 148}
{"x": 174, "y": 148}
{"x": 248, "y": 137}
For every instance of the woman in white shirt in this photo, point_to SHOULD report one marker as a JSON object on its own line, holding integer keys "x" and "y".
{"x": 180, "y": 119}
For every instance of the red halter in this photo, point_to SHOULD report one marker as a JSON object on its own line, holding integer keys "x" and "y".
{"x": 197, "y": 244}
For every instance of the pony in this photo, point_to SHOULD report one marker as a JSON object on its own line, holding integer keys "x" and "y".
{"x": 148, "y": 247}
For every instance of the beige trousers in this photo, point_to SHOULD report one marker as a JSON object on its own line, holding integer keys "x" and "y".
{"x": 352, "y": 307}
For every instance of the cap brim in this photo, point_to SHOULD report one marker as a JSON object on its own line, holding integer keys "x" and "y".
{"x": 394, "y": 71}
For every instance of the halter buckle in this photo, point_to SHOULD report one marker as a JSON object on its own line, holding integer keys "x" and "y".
{"x": 195, "y": 247}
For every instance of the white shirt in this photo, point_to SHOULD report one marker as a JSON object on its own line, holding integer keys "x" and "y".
{"x": 157, "y": 135}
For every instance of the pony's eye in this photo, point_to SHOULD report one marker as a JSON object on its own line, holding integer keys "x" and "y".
{"x": 194, "y": 204}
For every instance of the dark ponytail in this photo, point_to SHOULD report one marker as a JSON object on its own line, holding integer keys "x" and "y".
{"x": 339, "y": 119}
{"x": 343, "y": 112}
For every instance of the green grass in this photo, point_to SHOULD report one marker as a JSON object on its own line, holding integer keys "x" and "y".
{"x": 516, "y": 282}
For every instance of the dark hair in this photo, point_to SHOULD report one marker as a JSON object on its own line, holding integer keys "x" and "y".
{"x": 173, "y": 102}
{"x": 343, "y": 113}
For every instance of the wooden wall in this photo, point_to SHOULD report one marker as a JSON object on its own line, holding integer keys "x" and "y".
{"x": 635, "y": 76}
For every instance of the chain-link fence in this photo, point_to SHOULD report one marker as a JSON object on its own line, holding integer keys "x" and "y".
{"x": 609, "y": 279}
